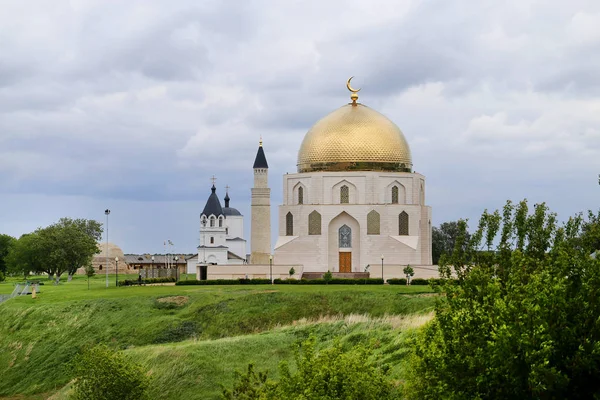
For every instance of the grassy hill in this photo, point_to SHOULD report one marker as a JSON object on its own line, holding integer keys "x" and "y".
{"x": 192, "y": 338}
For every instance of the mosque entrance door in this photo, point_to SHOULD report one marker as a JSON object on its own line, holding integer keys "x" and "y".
{"x": 345, "y": 261}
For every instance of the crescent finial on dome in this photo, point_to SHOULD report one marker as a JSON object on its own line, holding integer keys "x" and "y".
{"x": 354, "y": 95}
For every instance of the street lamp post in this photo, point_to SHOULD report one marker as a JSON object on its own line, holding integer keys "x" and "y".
{"x": 106, "y": 212}
{"x": 152, "y": 267}
{"x": 176, "y": 258}
{"x": 271, "y": 267}
{"x": 117, "y": 271}
{"x": 382, "y": 279}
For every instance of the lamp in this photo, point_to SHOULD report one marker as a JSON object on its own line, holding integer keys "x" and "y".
{"x": 382, "y": 279}
{"x": 271, "y": 267}
{"x": 117, "y": 271}
{"x": 106, "y": 212}
{"x": 152, "y": 267}
{"x": 176, "y": 258}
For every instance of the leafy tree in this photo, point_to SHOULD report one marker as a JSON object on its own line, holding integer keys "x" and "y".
{"x": 89, "y": 272}
{"x": 27, "y": 254}
{"x": 328, "y": 374}
{"x": 103, "y": 374}
{"x": 6, "y": 242}
{"x": 443, "y": 239}
{"x": 409, "y": 272}
{"x": 61, "y": 247}
{"x": 292, "y": 271}
{"x": 522, "y": 321}
{"x": 327, "y": 277}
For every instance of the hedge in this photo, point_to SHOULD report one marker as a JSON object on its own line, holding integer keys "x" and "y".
{"x": 397, "y": 281}
{"x": 133, "y": 282}
{"x": 336, "y": 281}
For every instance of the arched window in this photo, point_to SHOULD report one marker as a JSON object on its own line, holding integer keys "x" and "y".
{"x": 212, "y": 240}
{"x": 373, "y": 223}
{"x": 314, "y": 223}
{"x": 212, "y": 222}
{"x": 203, "y": 220}
{"x": 345, "y": 237}
{"x": 395, "y": 195}
{"x": 289, "y": 224}
{"x": 403, "y": 224}
{"x": 344, "y": 195}
{"x": 100, "y": 268}
{"x": 300, "y": 195}
{"x": 220, "y": 222}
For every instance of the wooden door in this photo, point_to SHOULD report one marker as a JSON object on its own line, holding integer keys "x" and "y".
{"x": 345, "y": 261}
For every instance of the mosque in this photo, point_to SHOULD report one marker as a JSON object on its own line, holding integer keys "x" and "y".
{"x": 355, "y": 202}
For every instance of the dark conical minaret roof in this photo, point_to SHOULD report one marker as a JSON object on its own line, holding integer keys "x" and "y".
{"x": 260, "y": 161}
{"x": 213, "y": 204}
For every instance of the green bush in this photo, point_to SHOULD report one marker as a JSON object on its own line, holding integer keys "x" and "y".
{"x": 133, "y": 282}
{"x": 333, "y": 281}
{"x": 2, "y": 277}
{"x": 397, "y": 281}
{"x": 240, "y": 281}
{"x": 328, "y": 374}
{"x": 419, "y": 281}
{"x": 103, "y": 374}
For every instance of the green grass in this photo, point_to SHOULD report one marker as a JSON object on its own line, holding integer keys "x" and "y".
{"x": 198, "y": 344}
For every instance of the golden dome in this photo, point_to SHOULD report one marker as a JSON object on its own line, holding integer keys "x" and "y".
{"x": 354, "y": 138}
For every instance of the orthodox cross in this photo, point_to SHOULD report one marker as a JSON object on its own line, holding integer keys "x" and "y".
{"x": 227, "y": 189}
{"x": 213, "y": 179}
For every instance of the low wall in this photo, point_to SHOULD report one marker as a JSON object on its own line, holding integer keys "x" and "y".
{"x": 397, "y": 271}
{"x": 251, "y": 271}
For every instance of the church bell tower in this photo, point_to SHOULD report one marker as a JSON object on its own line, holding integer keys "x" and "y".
{"x": 260, "y": 235}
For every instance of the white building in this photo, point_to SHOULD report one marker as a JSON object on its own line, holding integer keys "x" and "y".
{"x": 221, "y": 234}
{"x": 355, "y": 198}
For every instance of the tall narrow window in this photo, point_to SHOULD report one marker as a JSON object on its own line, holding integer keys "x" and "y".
{"x": 289, "y": 224}
{"x": 220, "y": 222}
{"x": 344, "y": 195}
{"x": 212, "y": 240}
{"x": 403, "y": 224}
{"x": 314, "y": 223}
{"x": 373, "y": 223}
{"x": 212, "y": 222}
{"x": 345, "y": 237}
{"x": 395, "y": 195}
{"x": 300, "y": 195}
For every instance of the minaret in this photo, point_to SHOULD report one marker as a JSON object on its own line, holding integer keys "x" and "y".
{"x": 260, "y": 230}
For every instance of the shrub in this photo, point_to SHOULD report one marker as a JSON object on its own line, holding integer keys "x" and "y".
{"x": 292, "y": 271}
{"x": 2, "y": 277}
{"x": 104, "y": 374}
{"x": 133, "y": 282}
{"x": 397, "y": 281}
{"x": 327, "y": 276}
{"x": 328, "y": 374}
{"x": 419, "y": 281}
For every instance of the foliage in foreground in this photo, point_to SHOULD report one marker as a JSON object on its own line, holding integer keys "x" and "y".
{"x": 103, "y": 374}
{"x": 328, "y": 374}
{"x": 522, "y": 322}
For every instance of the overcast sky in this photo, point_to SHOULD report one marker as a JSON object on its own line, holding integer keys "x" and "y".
{"x": 134, "y": 105}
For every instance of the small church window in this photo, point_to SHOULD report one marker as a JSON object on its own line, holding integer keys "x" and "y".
{"x": 314, "y": 223}
{"x": 300, "y": 195}
{"x": 212, "y": 240}
{"x": 373, "y": 222}
{"x": 395, "y": 195}
{"x": 344, "y": 195}
{"x": 100, "y": 268}
{"x": 212, "y": 222}
{"x": 289, "y": 224}
{"x": 345, "y": 237}
{"x": 204, "y": 221}
{"x": 220, "y": 222}
{"x": 403, "y": 224}
{"x": 227, "y": 231}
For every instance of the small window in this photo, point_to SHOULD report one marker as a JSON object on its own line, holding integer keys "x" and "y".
{"x": 212, "y": 240}
{"x": 220, "y": 222}
{"x": 204, "y": 221}
{"x": 100, "y": 268}
{"x": 227, "y": 231}
{"x": 212, "y": 222}
{"x": 289, "y": 224}
{"x": 314, "y": 223}
{"x": 344, "y": 195}
{"x": 403, "y": 224}
{"x": 373, "y": 222}
{"x": 395, "y": 195}
{"x": 300, "y": 195}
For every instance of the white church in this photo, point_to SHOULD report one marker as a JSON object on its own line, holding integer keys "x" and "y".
{"x": 355, "y": 205}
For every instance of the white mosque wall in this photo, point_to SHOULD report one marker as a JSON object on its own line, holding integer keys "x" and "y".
{"x": 235, "y": 226}
{"x": 237, "y": 247}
